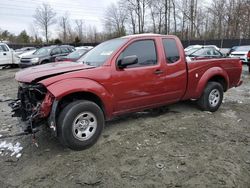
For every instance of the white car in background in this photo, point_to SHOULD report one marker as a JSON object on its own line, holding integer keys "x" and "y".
{"x": 193, "y": 48}
{"x": 242, "y": 52}
{"x": 84, "y": 47}
{"x": 8, "y": 56}
{"x": 27, "y": 53}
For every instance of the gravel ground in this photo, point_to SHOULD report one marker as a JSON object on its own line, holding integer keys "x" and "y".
{"x": 175, "y": 146}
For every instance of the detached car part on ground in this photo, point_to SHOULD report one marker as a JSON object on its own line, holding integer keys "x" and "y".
{"x": 123, "y": 75}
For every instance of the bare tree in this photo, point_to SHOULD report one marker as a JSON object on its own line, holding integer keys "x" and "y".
{"x": 64, "y": 23}
{"x": 34, "y": 32}
{"x": 44, "y": 18}
{"x": 79, "y": 29}
{"x": 114, "y": 20}
{"x": 157, "y": 13}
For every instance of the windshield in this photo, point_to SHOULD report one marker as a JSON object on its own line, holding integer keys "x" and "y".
{"x": 242, "y": 48}
{"x": 192, "y": 50}
{"x": 98, "y": 55}
{"x": 77, "y": 54}
{"x": 43, "y": 51}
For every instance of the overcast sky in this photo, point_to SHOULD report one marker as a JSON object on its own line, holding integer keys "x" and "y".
{"x": 16, "y": 15}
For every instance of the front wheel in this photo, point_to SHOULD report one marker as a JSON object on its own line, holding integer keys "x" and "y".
{"x": 211, "y": 98}
{"x": 80, "y": 124}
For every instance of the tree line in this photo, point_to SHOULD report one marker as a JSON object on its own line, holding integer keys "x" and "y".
{"x": 188, "y": 19}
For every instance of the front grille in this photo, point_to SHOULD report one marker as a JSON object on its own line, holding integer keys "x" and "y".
{"x": 23, "y": 60}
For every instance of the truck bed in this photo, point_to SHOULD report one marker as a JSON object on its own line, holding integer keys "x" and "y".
{"x": 200, "y": 70}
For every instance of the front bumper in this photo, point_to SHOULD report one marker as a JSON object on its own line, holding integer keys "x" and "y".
{"x": 25, "y": 65}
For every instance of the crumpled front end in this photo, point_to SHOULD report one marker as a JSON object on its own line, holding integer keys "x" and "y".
{"x": 33, "y": 104}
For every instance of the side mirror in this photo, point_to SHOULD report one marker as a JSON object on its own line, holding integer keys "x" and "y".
{"x": 126, "y": 61}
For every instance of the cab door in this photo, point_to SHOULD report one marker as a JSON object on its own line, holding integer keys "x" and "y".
{"x": 5, "y": 55}
{"x": 139, "y": 85}
{"x": 176, "y": 69}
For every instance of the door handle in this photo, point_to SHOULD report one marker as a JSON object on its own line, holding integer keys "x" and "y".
{"x": 4, "y": 54}
{"x": 158, "y": 71}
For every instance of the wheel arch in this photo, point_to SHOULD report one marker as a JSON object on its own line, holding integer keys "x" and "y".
{"x": 82, "y": 89}
{"x": 81, "y": 95}
{"x": 216, "y": 74}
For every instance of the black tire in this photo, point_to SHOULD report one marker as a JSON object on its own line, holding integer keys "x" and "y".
{"x": 68, "y": 118}
{"x": 208, "y": 105}
{"x": 44, "y": 62}
{"x": 249, "y": 68}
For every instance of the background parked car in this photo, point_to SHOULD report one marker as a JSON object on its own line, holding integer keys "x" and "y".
{"x": 7, "y": 56}
{"x": 45, "y": 55}
{"x": 23, "y": 50}
{"x": 27, "y": 53}
{"x": 190, "y": 49}
{"x": 197, "y": 47}
{"x": 225, "y": 51}
{"x": 243, "y": 52}
{"x": 205, "y": 53}
{"x": 74, "y": 56}
{"x": 84, "y": 47}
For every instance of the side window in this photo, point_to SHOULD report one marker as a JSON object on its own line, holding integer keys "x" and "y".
{"x": 217, "y": 53}
{"x": 171, "y": 50}
{"x": 144, "y": 50}
{"x": 3, "y": 48}
{"x": 209, "y": 52}
{"x": 65, "y": 50}
{"x": 56, "y": 51}
{"x": 70, "y": 49}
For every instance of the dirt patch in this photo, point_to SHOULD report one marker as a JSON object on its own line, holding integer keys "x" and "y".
{"x": 177, "y": 146}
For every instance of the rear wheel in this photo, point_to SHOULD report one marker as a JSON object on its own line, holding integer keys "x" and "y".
{"x": 211, "y": 98}
{"x": 80, "y": 124}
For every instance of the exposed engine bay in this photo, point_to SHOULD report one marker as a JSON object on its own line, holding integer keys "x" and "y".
{"x": 28, "y": 106}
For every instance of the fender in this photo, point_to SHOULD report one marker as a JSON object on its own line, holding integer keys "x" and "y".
{"x": 210, "y": 73}
{"x": 73, "y": 85}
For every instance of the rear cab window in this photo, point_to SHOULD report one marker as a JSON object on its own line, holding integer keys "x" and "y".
{"x": 172, "y": 54}
{"x": 145, "y": 50}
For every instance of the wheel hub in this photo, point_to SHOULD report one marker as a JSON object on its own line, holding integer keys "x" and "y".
{"x": 84, "y": 126}
{"x": 214, "y": 97}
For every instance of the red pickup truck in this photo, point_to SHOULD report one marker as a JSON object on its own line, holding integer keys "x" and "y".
{"x": 122, "y": 75}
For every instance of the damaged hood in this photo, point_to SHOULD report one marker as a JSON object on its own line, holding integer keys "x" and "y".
{"x": 40, "y": 72}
